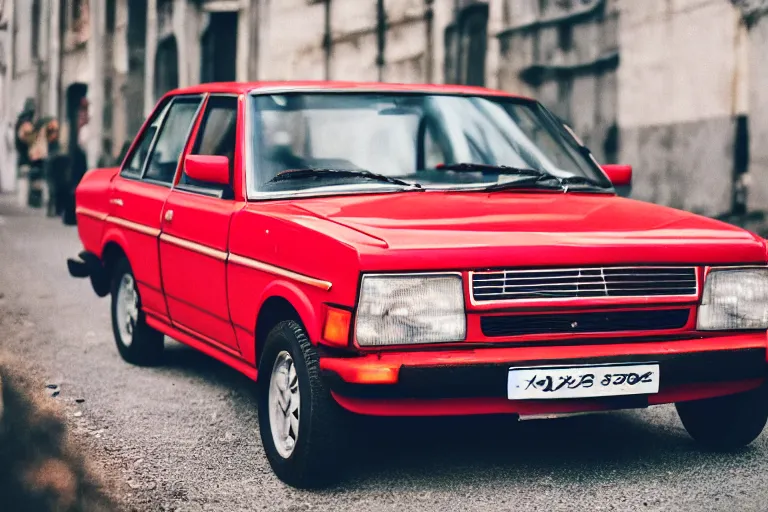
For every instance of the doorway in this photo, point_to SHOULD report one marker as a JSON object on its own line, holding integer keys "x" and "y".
{"x": 166, "y": 67}
{"x": 219, "y": 48}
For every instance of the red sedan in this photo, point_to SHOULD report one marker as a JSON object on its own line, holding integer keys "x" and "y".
{"x": 417, "y": 250}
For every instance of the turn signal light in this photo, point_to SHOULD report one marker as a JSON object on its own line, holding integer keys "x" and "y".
{"x": 336, "y": 330}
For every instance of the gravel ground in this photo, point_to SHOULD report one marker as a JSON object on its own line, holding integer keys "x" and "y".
{"x": 185, "y": 436}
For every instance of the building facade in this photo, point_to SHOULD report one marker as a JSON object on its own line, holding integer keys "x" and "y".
{"x": 755, "y": 18}
{"x": 674, "y": 87}
{"x": 7, "y": 111}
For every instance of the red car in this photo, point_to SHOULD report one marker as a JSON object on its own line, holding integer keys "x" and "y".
{"x": 417, "y": 250}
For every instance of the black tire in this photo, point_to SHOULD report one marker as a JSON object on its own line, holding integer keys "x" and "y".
{"x": 146, "y": 346}
{"x": 318, "y": 451}
{"x": 726, "y": 423}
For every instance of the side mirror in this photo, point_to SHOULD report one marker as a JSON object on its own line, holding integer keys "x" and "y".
{"x": 620, "y": 175}
{"x": 211, "y": 169}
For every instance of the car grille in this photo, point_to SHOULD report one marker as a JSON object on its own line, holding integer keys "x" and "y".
{"x": 612, "y": 321}
{"x": 574, "y": 283}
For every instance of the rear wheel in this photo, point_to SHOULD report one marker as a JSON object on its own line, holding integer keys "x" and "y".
{"x": 300, "y": 423}
{"x": 726, "y": 423}
{"x": 137, "y": 342}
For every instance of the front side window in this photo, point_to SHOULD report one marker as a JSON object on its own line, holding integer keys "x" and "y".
{"x": 171, "y": 140}
{"x": 217, "y": 135}
{"x": 135, "y": 164}
{"x": 412, "y": 138}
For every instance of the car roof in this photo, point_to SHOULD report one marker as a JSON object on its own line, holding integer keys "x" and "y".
{"x": 338, "y": 86}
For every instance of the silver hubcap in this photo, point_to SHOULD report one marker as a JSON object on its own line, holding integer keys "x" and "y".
{"x": 284, "y": 404}
{"x": 127, "y": 309}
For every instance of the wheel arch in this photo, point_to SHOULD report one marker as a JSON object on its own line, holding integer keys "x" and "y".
{"x": 102, "y": 266}
{"x": 111, "y": 254}
{"x": 284, "y": 301}
{"x": 112, "y": 247}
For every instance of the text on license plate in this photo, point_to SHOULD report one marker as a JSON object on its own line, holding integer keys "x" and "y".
{"x": 582, "y": 381}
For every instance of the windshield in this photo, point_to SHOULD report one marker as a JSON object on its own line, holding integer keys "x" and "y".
{"x": 415, "y": 138}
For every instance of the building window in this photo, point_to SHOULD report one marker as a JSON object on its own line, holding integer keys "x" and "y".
{"x": 79, "y": 20}
{"x": 564, "y": 90}
{"x": 107, "y": 114}
{"x": 76, "y": 10}
{"x": 565, "y": 36}
{"x": 451, "y": 60}
{"x": 219, "y": 48}
{"x": 164, "y": 18}
{"x": 166, "y": 67}
{"x": 111, "y": 16}
{"x": 62, "y": 18}
{"x": 466, "y": 45}
{"x": 35, "y": 32}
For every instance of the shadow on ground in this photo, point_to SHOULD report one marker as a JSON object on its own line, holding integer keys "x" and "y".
{"x": 40, "y": 470}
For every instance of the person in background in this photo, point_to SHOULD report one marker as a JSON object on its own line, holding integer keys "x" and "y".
{"x": 38, "y": 154}
{"x": 24, "y": 133}
{"x": 55, "y": 168}
{"x": 78, "y": 164}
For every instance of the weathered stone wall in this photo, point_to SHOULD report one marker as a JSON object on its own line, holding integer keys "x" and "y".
{"x": 291, "y": 39}
{"x": 758, "y": 114}
{"x": 405, "y": 50}
{"x": 657, "y": 84}
{"x": 566, "y": 56}
{"x": 22, "y": 70}
{"x": 299, "y": 53}
{"x": 7, "y": 110}
{"x": 680, "y": 90}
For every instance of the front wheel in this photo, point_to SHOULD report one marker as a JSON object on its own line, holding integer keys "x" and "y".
{"x": 299, "y": 421}
{"x": 726, "y": 423}
{"x": 137, "y": 342}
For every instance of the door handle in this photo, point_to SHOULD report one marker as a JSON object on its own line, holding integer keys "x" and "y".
{"x": 116, "y": 202}
{"x": 169, "y": 216}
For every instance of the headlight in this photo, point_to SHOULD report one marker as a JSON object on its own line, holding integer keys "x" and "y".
{"x": 410, "y": 309}
{"x": 734, "y": 299}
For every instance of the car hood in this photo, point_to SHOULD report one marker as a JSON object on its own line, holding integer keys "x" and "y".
{"x": 477, "y": 230}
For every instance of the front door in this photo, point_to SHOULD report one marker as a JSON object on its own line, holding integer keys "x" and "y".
{"x": 194, "y": 243}
{"x": 137, "y": 197}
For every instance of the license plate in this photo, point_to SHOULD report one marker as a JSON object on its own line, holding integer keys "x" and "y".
{"x": 554, "y": 382}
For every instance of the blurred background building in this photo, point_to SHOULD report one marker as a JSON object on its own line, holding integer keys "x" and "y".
{"x": 677, "y": 88}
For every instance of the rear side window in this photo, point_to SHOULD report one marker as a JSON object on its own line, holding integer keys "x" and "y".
{"x": 173, "y": 135}
{"x": 217, "y": 136}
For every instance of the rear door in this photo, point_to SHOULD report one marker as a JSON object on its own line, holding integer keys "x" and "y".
{"x": 195, "y": 234}
{"x": 140, "y": 190}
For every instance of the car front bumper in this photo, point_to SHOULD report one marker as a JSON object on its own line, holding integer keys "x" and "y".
{"x": 474, "y": 381}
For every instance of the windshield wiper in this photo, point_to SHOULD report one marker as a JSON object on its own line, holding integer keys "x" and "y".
{"x": 580, "y": 180}
{"x": 297, "y": 174}
{"x": 501, "y": 169}
{"x": 542, "y": 179}
{"x": 528, "y": 177}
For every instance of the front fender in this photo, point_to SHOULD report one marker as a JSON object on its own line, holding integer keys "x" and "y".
{"x": 308, "y": 314}
{"x": 113, "y": 235}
